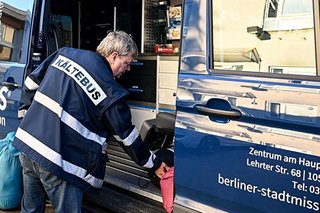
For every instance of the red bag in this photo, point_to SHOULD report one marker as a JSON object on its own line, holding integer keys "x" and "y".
{"x": 167, "y": 190}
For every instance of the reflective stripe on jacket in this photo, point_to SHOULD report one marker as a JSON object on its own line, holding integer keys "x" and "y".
{"x": 71, "y": 107}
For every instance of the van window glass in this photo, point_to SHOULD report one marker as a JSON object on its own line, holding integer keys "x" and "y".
{"x": 15, "y": 25}
{"x": 296, "y": 7}
{"x": 271, "y": 36}
{"x": 62, "y": 25}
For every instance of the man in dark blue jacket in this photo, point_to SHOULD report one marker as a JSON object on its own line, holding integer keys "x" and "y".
{"x": 71, "y": 107}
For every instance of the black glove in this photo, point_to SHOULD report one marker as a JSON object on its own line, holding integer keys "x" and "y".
{"x": 162, "y": 155}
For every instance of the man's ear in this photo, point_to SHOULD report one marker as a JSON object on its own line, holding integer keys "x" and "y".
{"x": 113, "y": 57}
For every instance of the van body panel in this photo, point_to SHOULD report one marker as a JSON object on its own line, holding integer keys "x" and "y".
{"x": 243, "y": 133}
{"x": 16, "y": 24}
{"x": 247, "y": 102}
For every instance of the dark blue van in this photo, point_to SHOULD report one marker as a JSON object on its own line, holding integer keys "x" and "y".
{"x": 247, "y": 132}
{"x": 15, "y": 38}
{"x": 242, "y": 96}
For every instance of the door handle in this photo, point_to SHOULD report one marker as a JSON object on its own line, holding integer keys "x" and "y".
{"x": 231, "y": 114}
{"x": 135, "y": 90}
{"x": 10, "y": 85}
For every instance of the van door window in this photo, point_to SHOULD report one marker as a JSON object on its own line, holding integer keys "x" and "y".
{"x": 63, "y": 28}
{"x": 15, "y": 29}
{"x": 61, "y": 25}
{"x": 15, "y": 37}
{"x": 272, "y": 36}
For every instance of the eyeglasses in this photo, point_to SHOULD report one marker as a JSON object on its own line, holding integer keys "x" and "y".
{"x": 127, "y": 60}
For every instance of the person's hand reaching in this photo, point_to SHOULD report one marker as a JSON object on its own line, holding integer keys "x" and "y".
{"x": 163, "y": 162}
{"x": 162, "y": 170}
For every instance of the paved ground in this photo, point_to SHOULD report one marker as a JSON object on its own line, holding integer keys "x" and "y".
{"x": 49, "y": 209}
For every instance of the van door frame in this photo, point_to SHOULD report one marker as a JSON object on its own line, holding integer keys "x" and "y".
{"x": 316, "y": 7}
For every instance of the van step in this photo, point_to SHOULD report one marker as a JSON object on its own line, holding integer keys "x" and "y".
{"x": 115, "y": 199}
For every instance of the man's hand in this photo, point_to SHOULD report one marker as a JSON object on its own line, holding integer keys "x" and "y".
{"x": 104, "y": 148}
{"x": 162, "y": 170}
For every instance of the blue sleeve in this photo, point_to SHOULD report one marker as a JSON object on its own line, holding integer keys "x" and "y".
{"x": 118, "y": 120}
{"x": 32, "y": 83}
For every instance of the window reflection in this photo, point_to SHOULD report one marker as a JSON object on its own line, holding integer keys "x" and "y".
{"x": 7, "y": 34}
{"x": 297, "y": 6}
{"x": 5, "y": 53}
{"x": 14, "y": 28}
{"x": 264, "y": 36}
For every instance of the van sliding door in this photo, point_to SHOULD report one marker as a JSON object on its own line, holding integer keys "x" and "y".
{"x": 247, "y": 135}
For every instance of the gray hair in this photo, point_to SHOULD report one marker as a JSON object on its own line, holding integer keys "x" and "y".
{"x": 117, "y": 41}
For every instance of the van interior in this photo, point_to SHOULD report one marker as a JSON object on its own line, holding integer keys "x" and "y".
{"x": 83, "y": 24}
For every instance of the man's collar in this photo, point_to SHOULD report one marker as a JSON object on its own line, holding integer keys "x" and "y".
{"x": 105, "y": 60}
